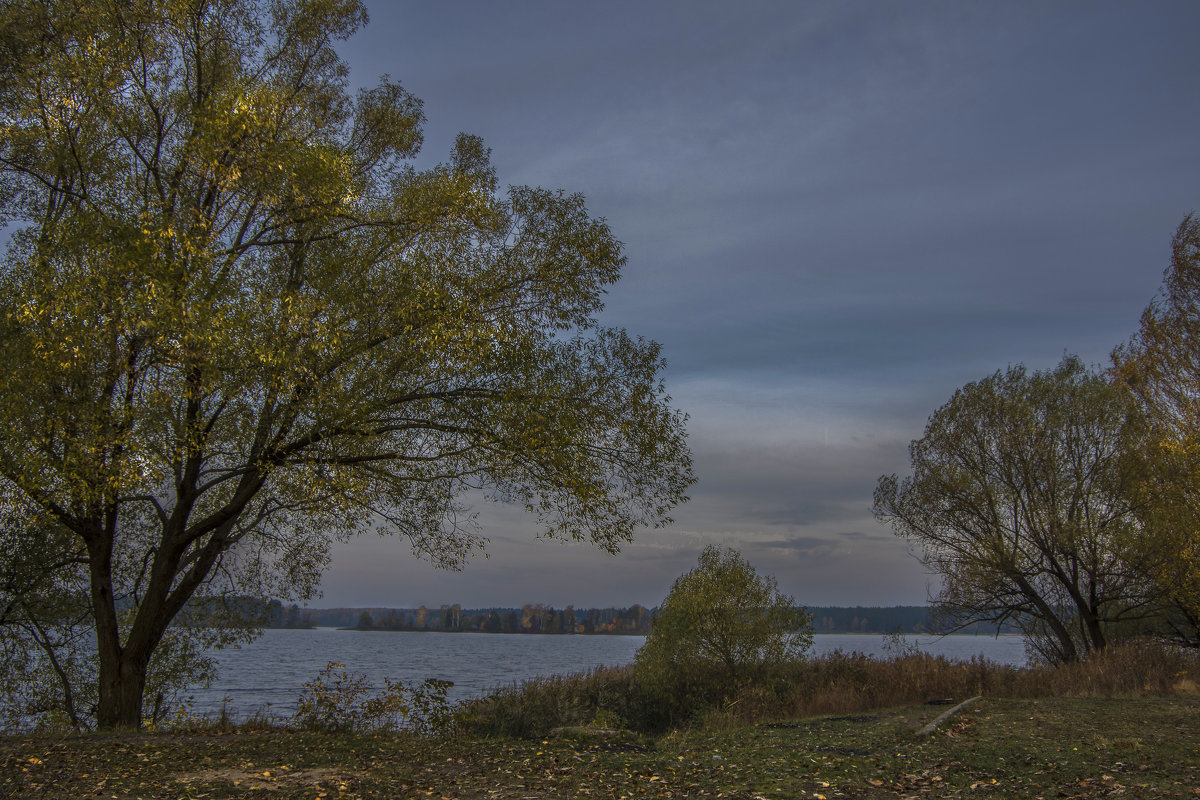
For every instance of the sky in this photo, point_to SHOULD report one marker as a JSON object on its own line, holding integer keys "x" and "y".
{"x": 835, "y": 214}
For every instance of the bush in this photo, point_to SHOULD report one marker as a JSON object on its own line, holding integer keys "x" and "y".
{"x": 338, "y": 701}
{"x": 721, "y": 627}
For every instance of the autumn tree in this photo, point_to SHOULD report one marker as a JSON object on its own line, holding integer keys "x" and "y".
{"x": 237, "y": 323}
{"x": 1018, "y": 499}
{"x": 1160, "y": 367}
{"x": 721, "y": 625}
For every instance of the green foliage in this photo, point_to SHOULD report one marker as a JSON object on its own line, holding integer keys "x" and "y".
{"x": 339, "y": 701}
{"x": 237, "y": 323}
{"x": 722, "y": 625}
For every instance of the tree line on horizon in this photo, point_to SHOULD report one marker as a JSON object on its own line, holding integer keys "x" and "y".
{"x": 633, "y": 620}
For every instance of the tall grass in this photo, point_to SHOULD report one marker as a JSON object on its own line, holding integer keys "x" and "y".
{"x": 607, "y": 697}
{"x": 838, "y": 683}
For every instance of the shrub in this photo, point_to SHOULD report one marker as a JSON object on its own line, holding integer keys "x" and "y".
{"x": 721, "y": 627}
{"x": 339, "y": 701}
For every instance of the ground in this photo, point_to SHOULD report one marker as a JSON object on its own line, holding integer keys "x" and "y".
{"x": 1045, "y": 748}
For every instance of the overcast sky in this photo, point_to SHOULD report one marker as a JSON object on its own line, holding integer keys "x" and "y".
{"x": 835, "y": 214}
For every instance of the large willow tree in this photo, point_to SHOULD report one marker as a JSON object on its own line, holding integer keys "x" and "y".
{"x": 237, "y": 323}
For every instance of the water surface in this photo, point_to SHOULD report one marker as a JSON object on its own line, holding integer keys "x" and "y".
{"x": 268, "y": 674}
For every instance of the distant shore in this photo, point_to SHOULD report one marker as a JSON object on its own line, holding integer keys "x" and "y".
{"x": 634, "y": 620}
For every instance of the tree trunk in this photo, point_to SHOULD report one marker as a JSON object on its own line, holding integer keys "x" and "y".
{"x": 121, "y": 676}
{"x": 1066, "y": 645}
{"x": 122, "y": 686}
{"x": 1095, "y": 631}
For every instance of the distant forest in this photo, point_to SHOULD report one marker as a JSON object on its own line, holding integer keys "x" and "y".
{"x": 634, "y": 620}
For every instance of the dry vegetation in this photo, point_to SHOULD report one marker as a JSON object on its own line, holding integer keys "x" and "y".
{"x": 840, "y": 683}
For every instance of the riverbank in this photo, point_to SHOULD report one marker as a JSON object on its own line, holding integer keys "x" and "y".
{"x": 1030, "y": 748}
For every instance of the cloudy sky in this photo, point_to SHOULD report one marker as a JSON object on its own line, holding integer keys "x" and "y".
{"x": 835, "y": 214}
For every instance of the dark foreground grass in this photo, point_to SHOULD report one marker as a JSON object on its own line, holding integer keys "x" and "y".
{"x": 1069, "y": 747}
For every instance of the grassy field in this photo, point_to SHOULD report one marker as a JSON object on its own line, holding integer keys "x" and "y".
{"x": 1028, "y": 748}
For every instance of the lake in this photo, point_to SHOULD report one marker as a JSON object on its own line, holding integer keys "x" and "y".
{"x": 267, "y": 674}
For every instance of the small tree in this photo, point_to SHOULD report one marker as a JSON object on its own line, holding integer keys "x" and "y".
{"x": 721, "y": 626}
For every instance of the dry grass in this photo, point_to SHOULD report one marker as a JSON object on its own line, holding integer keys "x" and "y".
{"x": 848, "y": 683}
{"x": 839, "y": 683}
{"x": 607, "y": 697}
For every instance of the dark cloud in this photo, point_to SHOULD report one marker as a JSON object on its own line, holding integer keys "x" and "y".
{"x": 836, "y": 213}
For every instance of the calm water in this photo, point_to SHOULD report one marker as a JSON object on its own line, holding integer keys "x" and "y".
{"x": 268, "y": 673}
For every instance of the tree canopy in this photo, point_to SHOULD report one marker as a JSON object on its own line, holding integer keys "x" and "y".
{"x": 237, "y": 322}
{"x": 1019, "y": 500}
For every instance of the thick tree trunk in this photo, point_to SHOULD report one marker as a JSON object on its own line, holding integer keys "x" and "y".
{"x": 122, "y": 686}
{"x": 113, "y": 684}
{"x": 123, "y": 666}
{"x": 121, "y": 675}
